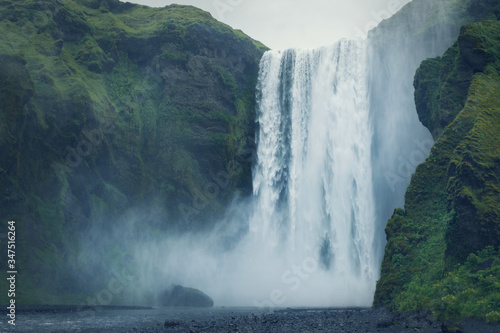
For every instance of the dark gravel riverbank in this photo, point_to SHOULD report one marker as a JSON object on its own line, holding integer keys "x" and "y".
{"x": 66, "y": 319}
{"x": 321, "y": 320}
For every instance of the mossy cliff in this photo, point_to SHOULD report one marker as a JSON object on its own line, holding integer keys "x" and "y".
{"x": 107, "y": 106}
{"x": 443, "y": 247}
{"x": 397, "y": 46}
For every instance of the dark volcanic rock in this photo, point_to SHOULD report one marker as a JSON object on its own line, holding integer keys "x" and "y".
{"x": 243, "y": 320}
{"x": 181, "y": 296}
{"x": 171, "y": 323}
{"x": 304, "y": 320}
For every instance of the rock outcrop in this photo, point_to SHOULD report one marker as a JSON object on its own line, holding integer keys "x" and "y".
{"x": 179, "y": 296}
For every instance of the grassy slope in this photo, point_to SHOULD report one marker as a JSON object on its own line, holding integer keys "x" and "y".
{"x": 131, "y": 74}
{"x": 442, "y": 251}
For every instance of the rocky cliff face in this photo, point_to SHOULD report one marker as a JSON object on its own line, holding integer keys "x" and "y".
{"x": 106, "y": 106}
{"x": 442, "y": 251}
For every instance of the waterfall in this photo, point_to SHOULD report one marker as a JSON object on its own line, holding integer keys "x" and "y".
{"x": 312, "y": 178}
{"x": 338, "y": 138}
{"x": 337, "y": 141}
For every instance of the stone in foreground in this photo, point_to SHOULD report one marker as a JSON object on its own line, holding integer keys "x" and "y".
{"x": 179, "y": 296}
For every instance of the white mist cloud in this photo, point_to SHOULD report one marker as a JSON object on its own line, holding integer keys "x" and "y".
{"x": 233, "y": 270}
{"x": 281, "y": 24}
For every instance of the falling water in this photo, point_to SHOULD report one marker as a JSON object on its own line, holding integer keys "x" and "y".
{"x": 312, "y": 179}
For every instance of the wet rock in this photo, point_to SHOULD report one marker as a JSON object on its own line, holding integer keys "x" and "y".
{"x": 171, "y": 323}
{"x": 179, "y": 296}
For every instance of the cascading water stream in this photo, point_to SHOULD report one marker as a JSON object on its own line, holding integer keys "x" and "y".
{"x": 312, "y": 178}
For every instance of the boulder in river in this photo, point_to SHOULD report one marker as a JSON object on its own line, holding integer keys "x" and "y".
{"x": 179, "y": 296}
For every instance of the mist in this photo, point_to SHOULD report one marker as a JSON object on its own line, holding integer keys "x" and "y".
{"x": 232, "y": 264}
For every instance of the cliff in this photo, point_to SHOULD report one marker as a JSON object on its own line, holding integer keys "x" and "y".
{"x": 443, "y": 247}
{"x": 397, "y": 46}
{"x": 108, "y": 107}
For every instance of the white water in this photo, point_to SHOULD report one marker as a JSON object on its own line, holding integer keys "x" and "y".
{"x": 312, "y": 180}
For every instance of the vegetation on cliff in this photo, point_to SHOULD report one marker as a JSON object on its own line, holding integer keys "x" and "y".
{"x": 443, "y": 247}
{"x": 106, "y": 106}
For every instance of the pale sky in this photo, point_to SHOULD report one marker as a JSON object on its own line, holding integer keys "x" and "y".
{"x": 281, "y": 24}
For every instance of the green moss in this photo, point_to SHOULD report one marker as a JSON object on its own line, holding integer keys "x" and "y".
{"x": 493, "y": 317}
{"x": 441, "y": 85}
{"x": 227, "y": 79}
{"x": 469, "y": 290}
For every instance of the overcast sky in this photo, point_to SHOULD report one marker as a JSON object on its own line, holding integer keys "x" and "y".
{"x": 281, "y": 24}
